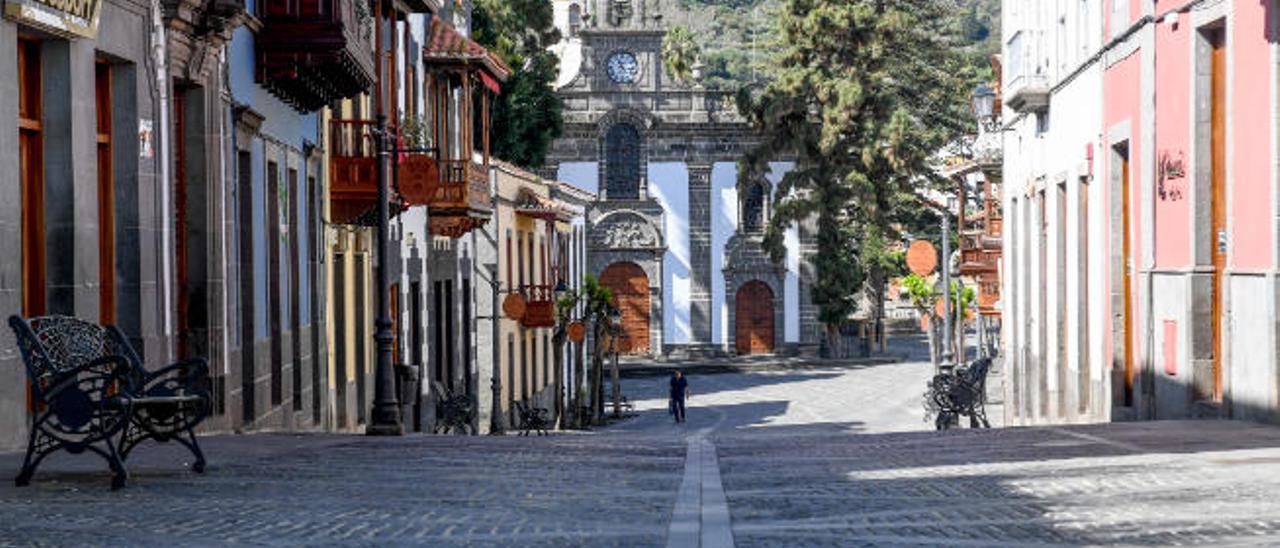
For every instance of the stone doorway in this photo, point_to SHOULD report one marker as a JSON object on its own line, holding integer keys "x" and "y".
{"x": 630, "y": 288}
{"x": 753, "y": 331}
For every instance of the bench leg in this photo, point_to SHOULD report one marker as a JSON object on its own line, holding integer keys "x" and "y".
{"x": 191, "y": 443}
{"x": 980, "y": 413}
{"x": 944, "y": 420}
{"x": 119, "y": 475}
{"x": 33, "y": 458}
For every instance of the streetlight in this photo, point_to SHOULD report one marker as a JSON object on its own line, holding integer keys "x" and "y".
{"x": 947, "y": 356}
{"x": 983, "y": 102}
{"x": 497, "y": 422}
{"x": 615, "y": 327}
{"x": 557, "y": 338}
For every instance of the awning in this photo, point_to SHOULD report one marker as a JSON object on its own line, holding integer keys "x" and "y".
{"x": 490, "y": 82}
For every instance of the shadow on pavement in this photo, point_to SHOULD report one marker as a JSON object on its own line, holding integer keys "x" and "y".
{"x": 1137, "y": 483}
{"x": 652, "y": 388}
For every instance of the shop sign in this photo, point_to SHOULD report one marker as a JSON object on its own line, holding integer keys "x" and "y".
{"x": 69, "y": 18}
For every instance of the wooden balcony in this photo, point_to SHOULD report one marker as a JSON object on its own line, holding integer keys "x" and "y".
{"x": 312, "y": 52}
{"x": 460, "y": 201}
{"x": 540, "y": 306}
{"x": 353, "y": 173}
{"x": 979, "y": 253}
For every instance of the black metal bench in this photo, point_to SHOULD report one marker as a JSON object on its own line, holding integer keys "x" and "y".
{"x": 91, "y": 392}
{"x": 959, "y": 393}
{"x": 532, "y": 419}
{"x": 453, "y": 411}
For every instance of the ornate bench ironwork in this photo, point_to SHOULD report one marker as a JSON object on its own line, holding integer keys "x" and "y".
{"x": 960, "y": 393}
{"x": 92, "y": 392}
{"x": 532, "y": 419}
{"x": 453, "y": 411}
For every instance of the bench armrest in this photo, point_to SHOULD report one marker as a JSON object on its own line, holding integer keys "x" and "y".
{"x": 191, "y": 375}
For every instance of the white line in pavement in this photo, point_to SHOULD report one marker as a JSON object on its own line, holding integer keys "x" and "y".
{"x": 701, "y": 516}
{"x": 686, "y": 519}
{"x": 717, "y": 531}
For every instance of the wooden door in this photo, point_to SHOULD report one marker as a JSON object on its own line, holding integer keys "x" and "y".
{"x": 1218, "y": 98}
{"x": 106, "y": 199}
{"x": 1126, "y": 266}
{"x": 31, "y": 175}
{"x": 631, "y": 294}
{"x": 753, "y": 329}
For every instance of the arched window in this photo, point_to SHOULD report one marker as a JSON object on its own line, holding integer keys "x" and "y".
{"x": 622, "y": 152}
{"x": 753, "y": 209}
{"x": 575, "y": 19}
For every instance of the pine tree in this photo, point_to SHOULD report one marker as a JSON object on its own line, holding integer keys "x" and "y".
{"x": 527, "y": 116}
{"x": 861, "y": 95}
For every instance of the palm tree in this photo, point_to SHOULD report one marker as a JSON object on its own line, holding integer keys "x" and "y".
{"x": 599, "y": 307}
{"x": 680, "y": 52}
{"x": 560, "y": 334}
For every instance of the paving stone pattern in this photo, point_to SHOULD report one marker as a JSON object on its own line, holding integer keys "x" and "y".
{"x": 812, "y": 457}
{"x": 568, "y": 490}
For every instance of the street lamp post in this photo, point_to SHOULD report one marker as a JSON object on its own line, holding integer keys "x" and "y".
{"x": 558, "y": 339}
{"x": 497, "y": 421}
{"x": 947, "y": 355}
{"x": 385, "y": 418}
{"x": 615, "y": 321}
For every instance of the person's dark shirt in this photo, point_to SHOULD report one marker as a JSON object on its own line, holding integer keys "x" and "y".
{"x": 679, "y": 387}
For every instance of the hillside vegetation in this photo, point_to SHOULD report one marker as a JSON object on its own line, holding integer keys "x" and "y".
{"x": 736, "y": 35}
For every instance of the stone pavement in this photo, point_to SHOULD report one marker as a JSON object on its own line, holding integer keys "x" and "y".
{"x": 838, "y": 457}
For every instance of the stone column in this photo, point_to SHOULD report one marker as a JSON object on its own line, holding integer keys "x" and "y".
{"x": 811, "y": 330}
{"x": 700, "y": 253}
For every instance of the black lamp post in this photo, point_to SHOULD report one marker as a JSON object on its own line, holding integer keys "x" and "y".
{"x": 385, "y": 418}
{"x": 947, "y": 355}
{"x": 558, "y": 338}
{"x": 497, "y": 421}
{"x": 615, "y": 326}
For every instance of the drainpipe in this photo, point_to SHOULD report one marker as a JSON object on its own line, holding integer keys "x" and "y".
{"x": 160, "y": 130}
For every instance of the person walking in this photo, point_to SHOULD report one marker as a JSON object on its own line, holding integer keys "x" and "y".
{"x": 679, "y": 391}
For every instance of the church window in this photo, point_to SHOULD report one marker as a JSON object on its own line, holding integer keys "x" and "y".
{"x": 753, "y": 212}
{"x": 622, "y": 151}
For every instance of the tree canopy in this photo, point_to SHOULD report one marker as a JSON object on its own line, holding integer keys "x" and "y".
{"x": 527, "y": 115}
{"x": 861, "y": 94}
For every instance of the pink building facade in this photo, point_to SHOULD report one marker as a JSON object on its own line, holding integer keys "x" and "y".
{"x": 1172, "y": 229}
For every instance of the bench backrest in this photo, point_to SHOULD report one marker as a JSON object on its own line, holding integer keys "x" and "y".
{"x": 53, "y": 345}
{"x": 977, "y": 371}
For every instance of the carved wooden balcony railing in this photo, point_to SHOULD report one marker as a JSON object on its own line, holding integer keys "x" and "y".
{"x": 979, "y": 253}
{"x": 353, "y": 170}
{"x": 460, "y": 202}
{"x": 312, "y": 52}
{"x": 540, "y": 306}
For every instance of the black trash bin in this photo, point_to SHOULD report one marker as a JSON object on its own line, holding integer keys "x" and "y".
{"x": 407, "y": 392}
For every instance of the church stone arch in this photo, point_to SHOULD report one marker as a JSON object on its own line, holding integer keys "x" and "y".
{"x": 623, "y": 141}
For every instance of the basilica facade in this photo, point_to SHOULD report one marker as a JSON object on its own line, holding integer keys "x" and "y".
{"x": 670, "y": 233}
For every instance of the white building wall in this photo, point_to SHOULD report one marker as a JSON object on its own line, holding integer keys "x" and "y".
{"x": 1054, "y": 308}
{"x": 668, "y": 183}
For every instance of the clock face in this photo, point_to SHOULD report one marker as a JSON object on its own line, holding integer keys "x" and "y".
{"x": 623, "y": 67}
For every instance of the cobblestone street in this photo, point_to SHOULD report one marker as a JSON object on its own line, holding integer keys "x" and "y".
{"x": 808, "y": 457}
